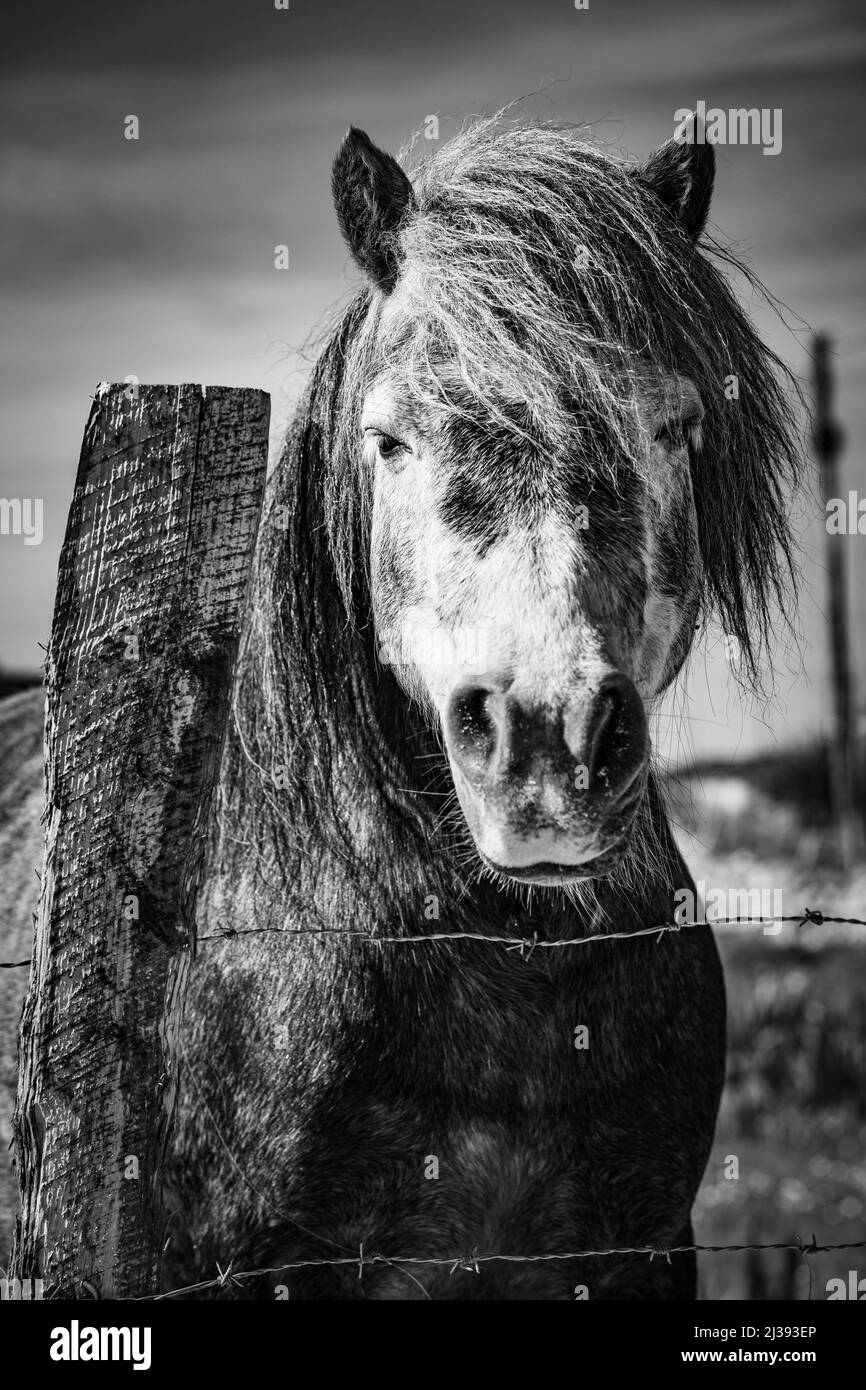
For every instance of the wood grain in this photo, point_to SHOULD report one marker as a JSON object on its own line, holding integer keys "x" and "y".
{"x": 151, "y": 589}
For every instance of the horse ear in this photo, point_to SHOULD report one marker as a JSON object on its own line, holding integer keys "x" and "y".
{"x": 681, "y": 174}
{"x": 372, "y": 195}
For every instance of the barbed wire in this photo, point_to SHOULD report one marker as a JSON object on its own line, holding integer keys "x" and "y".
{"x": 527, "y": 944}
{"x": 472, "y": 1262}
{"x": 523, "y": 945}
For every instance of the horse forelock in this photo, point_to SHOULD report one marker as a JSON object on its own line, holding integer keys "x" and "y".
{"x": 543, "y": 286}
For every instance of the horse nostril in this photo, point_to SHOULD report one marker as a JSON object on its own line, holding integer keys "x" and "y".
{"x": 604, "y": 713}
{"x": 617, "y": 733}
{"x": 471, "y": 727}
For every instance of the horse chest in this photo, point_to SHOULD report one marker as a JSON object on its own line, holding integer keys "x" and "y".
{"x": 418, "y": 1101}
{"x": 474, "y": 1089}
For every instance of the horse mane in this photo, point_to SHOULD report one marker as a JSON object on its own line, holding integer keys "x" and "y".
{"x": 546, "y": 272}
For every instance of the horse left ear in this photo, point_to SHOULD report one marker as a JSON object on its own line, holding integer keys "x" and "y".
{"x": 372, "y": 195}
{"x": 681, "y": 174}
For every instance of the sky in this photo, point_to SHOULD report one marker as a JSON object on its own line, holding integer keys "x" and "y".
{"x": 155, "y": 257}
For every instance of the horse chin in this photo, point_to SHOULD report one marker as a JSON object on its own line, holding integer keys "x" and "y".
{"x": 546, "y": 874}
{"x": 551, "y": 856}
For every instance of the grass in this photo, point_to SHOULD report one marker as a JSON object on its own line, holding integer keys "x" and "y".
{"x": 794, "y": 1108}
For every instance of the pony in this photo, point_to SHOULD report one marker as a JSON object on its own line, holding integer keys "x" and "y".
{"x": 515, "y": 485}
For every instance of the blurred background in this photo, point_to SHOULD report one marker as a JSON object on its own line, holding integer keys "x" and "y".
{"x": 155, "y": 258}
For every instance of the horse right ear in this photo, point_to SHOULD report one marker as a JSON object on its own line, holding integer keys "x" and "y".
{"x": 681, "y": 174}
{"x": 372, "y": 196}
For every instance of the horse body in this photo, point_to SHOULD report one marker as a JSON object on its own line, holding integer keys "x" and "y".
{"x": 449, "y": 1099}
{"x": 336, "y": 1073}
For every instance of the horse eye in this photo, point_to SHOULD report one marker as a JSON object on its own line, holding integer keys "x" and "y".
{"x": 388, "y": 446}
{"x": 674, "y": 434}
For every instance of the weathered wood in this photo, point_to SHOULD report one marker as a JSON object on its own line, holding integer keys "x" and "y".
{"x": 153, "y": 575}
{"x": 842, "y": 744}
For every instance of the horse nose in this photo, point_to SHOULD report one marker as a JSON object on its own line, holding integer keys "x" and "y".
{"x": 496, "y": 736}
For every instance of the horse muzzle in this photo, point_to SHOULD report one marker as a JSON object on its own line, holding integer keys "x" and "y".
{"x": 549, "y": 790}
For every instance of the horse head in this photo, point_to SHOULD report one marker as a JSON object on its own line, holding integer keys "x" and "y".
{"x": 534, "y": 378}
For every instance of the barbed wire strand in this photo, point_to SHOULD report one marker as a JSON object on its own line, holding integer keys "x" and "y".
{"x": 524, "y": 945}
{"x": 529, "y": 943}
{"x": 473, "y": 1261}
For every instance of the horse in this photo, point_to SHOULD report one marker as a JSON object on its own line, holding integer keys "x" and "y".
{"x": 426, "y": 1020}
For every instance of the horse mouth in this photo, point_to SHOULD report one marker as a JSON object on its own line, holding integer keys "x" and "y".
{"x": 547, "y": 874}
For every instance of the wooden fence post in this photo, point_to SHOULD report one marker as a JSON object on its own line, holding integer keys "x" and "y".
{"x": 153, "y": 575}
{"x": 843, "y": 763}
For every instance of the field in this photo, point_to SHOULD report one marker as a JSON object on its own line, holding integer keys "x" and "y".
{"x": 794, "y": 1109}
